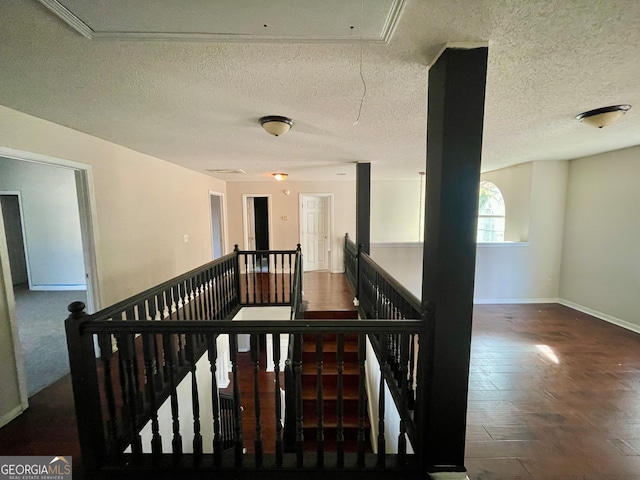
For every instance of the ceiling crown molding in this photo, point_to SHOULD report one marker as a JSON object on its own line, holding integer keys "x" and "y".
{"x": 69, "y": 18}
{"x": 85, "y": 30}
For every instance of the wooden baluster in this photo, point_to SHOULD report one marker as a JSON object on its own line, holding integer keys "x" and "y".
{"x": 362, "y": 401}
{"x": 402, "y": 438}
{"x": 212, "y": 351}
{"x": 130, "y": 394}
{"x": 193, "y": 300}
{"x": 194, "y": 311}
{"x": 255, "y": 361}
{"x": 156, "y": 310}
{"x": 384, "y": 366}
{"x": 233, "y": 293}
{"x": 340, "y": 401}
{"x": 254, "y": 274}
{"x": 278, "y": 399}
{"x": 131, "y": 315}
{"x": 206, "y": 277}
{"x": 319, "y": 401}
{"x": 217, "y": 294}
{"x": 168, "y": 343}
{"x": 267, "y": 287}
{"x": 106, "y": 354}
{"x": 150, "y": 368}
{"x": 411, "y": 397}
{"x": 195, "y": 399}
{"x": 275, "y": 278}
{"x": 297, "y": 371}
{"x": 282, "y": 273}
{"x": 291, "y": 268}
{"x": 237, "y": 412}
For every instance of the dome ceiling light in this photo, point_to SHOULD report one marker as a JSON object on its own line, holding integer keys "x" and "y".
{"x": 280, "y": 176}
{"x": 276, "y": 125}
{"x": 601, "y": 117}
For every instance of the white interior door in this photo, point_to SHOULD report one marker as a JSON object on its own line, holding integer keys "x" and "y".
{"x": 315, "y": 232}
{"x": 217, "y": 224}
{"x": 250, "y": 224}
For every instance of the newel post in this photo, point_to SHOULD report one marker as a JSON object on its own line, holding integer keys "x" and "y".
{"x": 236, "y": 279}
{"x": 301, "y": 275}
{"x": 358, "y": 270}
{"x": 84, "y": 381}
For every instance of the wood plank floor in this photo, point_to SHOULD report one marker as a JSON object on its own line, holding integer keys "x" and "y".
{"x": 553, "y": 394}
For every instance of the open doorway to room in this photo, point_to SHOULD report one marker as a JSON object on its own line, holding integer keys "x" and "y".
{"x": 257, "y": 225}
{"x": 216, "y": 208}
{"x": 315, "y": 230}
{"x": 49, "y": 244}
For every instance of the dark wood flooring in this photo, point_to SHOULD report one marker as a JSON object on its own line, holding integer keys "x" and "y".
{"x": 553, "y": 394}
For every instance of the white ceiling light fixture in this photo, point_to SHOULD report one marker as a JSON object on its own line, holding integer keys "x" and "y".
{"x": 280, "y": 176}
{"x": 276, "y": 125}
{"x": 601, "y": 117}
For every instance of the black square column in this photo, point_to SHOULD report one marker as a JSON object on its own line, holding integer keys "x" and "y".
{"x": 363, "y": 206}
{"x": 454, "y": 145}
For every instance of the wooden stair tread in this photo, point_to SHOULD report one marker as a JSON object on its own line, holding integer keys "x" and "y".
{"x": 331, "y": 369}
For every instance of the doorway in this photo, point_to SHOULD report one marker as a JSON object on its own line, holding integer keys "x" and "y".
{"x": 257, "y": 222}
{"x": 14, "y": 232}
{"x": 257, "y": 227}
{"x": 50, "y": 267}
{"x": 315, "y": 231}
{"x": 217, "y": 224}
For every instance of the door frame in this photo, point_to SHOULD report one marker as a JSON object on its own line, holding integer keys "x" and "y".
{"x": 86, "y": 210}
{"x": 245, "y": 219}
{"x": 24, "y": 231}
{"x": 330, "y": 217}
{"x": 88, "y": 219}
{"x": 223, "y": 217}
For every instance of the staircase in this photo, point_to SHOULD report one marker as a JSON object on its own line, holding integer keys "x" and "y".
{"x": 350, "y": 387}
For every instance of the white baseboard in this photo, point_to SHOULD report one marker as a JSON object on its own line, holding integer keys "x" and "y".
{"x": 7, "y": 417}
{"x": 602, "y": 316}
{"x": 448, "y": 476}
{"x": 43, "y": 288}
{"x": 487, "y": 301}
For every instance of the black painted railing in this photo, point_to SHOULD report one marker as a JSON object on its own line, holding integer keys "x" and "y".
{"x": 380, "y": 296}
{"x": 152, "y": 360}
{"x": 351, "y": 263}
{"x": 266, "y": 276}
{"x": 178, "y": 445}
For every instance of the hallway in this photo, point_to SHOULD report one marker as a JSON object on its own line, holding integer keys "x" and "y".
{"x": 553, "y": 393}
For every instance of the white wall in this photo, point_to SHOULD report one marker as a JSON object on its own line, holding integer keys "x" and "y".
{"x": 397, "y": 210}
{"x": 601, "y": 259}
{"x": 286, "y": 233}
{"x": 51, "y": 221}
{"x": 510, "y": 272}
{"x": 143, "y": 205}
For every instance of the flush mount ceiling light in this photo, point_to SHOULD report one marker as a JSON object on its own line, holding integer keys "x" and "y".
{"x": 280, "y": 176}
{"x": 601, "y": 117}
{"x": 276, "y": 125}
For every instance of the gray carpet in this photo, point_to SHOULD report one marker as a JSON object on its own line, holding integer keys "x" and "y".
{"x": 41, "y": 316}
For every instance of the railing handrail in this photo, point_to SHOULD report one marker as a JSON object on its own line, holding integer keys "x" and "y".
{"x": 264, "y": 252}
{"x": 132, "y": 301}
{"x": 89, "y": 326}
{"x": 401, "y": 289}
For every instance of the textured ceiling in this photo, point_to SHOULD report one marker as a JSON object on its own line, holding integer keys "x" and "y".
{"x": 198, "y": 103}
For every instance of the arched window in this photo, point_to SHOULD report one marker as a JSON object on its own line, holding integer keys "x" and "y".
{"x": 490, "y": 214}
